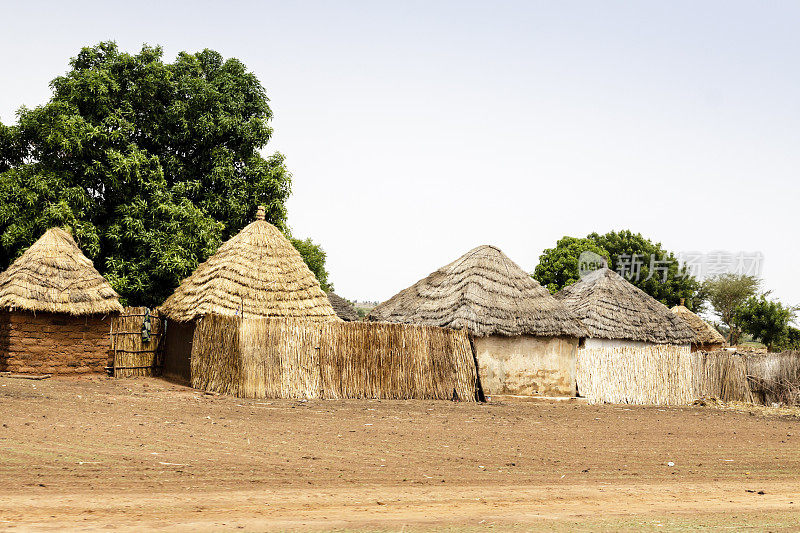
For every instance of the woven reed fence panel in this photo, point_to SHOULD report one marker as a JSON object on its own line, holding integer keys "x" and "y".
{"x": 396, "y": 361}
{"x": 131, "y": 355}
{"x": 657, "y": 375}
{"x": 216, "y": 362}
{"x": 669, "y": 375}
{"x": 774, "y": 377}
{"x": 721, "y": 374}
{"x": 277, "y": 358}
{"x": 280, "y": 359}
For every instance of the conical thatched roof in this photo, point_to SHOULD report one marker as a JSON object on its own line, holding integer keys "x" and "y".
{"x": 53, "y": 276}
{"x": 704, "y": 332}
{"x": 257, "y": 273}
{"x": 612, "y": 308}
{"x": 485, "y": 293}
{"x": 343, "y": 308}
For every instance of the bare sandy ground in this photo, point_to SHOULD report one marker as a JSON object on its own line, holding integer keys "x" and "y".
{"x": 97, "y": 454}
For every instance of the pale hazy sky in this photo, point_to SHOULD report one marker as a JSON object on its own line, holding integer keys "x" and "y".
{"x": 418, "y": 130}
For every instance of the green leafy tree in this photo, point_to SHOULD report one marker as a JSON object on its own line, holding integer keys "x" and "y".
{"x": 727, "y": 293}
{"x": 641, "y": 261}
{"x": 766, "y": 320}
{"x": 558, "y": 267}
{"x": 150, "y": 164}
{"x": 650, "y": 267}
{"x": 790, "y": 339}
{"x": 314, "y": 256}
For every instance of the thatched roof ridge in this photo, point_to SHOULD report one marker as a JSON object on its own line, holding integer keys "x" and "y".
{"x": 704, "y": 332}
{"x": 53, "y": 276}
{"x": 343, "y": 308}
{"x": 612, "y": 308}
{"x": 485, "y": 293}
{"x": 258, "y": 274}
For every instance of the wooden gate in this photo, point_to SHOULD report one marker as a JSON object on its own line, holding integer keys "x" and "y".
{"x": 132, "y": 355}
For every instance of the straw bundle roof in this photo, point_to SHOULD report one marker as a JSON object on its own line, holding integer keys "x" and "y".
{"x": 612, "y": 308}
{"x": 255, "y": 274}
{"x": 485, "y": 293}
{"x": 53, "y": 276}
{"x": 704, "y": 332}
{"x": 343, "y": 308}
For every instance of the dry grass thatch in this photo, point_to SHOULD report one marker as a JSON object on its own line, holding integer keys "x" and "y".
{"x": 53, "y": 276}
{"x": 343, "y": 308}
{"x": 485, "y": 293}
{"x": 612, "y": 308}
{"x": 280, "y": 358}
{"x": 257, "y": 273}
{"x": 704, "y": 332}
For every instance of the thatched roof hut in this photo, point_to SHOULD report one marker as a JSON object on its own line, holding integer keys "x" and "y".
{"x": 55, "y": 310}
{"x": 343, "y": 308}
{"x": 485, "y": 293}
{"x": 706, "y": 337}
{"x": 525, "y": 340}
{"x": 53, "y": 276}
{"x": 612, "y": 308}
{"x": 255, "y": 274}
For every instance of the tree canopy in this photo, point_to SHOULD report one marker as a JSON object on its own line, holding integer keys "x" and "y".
{"x": 644, "y": 263}
{"x": 790, "y": 339}
{"x": 558, "y": 267}
{"x": 728, "y": 292}
{"x": 150, "y": 164}
{"x": 766, "y": 320}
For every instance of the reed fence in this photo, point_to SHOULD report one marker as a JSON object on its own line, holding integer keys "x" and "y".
{"x": 722, "y": 375}
{"x": 774, "y": 377}
{"x": 279, "y": 358}
{"x": 131, "y": 355}
{"x": 658, "y": 374}
{"x": 666, "y": 374}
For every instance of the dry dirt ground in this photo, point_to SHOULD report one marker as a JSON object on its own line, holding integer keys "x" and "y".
{"x": 96, "y": 453}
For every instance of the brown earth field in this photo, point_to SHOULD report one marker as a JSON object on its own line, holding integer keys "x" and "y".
{"x": 92, "y": 453}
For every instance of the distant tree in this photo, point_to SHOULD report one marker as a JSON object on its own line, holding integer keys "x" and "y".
{"x": 558, "y": 267}
{"x": 790, "y": 339}
{"x": 727, "y": 293}
{"x": 150, "y": 164}
{"x": 766, "y": 320}
{"x": 641, "y": 261}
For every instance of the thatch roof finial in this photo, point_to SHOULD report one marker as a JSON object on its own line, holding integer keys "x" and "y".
{"x": 260, "y": 213}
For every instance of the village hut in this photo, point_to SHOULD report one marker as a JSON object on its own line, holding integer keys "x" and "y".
{"x": 525, "y": 341}
{"x": 636, "y": 351}
{"x": 343, "y": 308}
{"x": 707, "y": 338}
{"x": 55, "y": 310}
{"x": 255, "y": 274}
{"x": 617, "y": 313}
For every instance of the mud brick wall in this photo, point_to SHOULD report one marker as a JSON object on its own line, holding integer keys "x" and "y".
{"x": 48, "y": 343}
